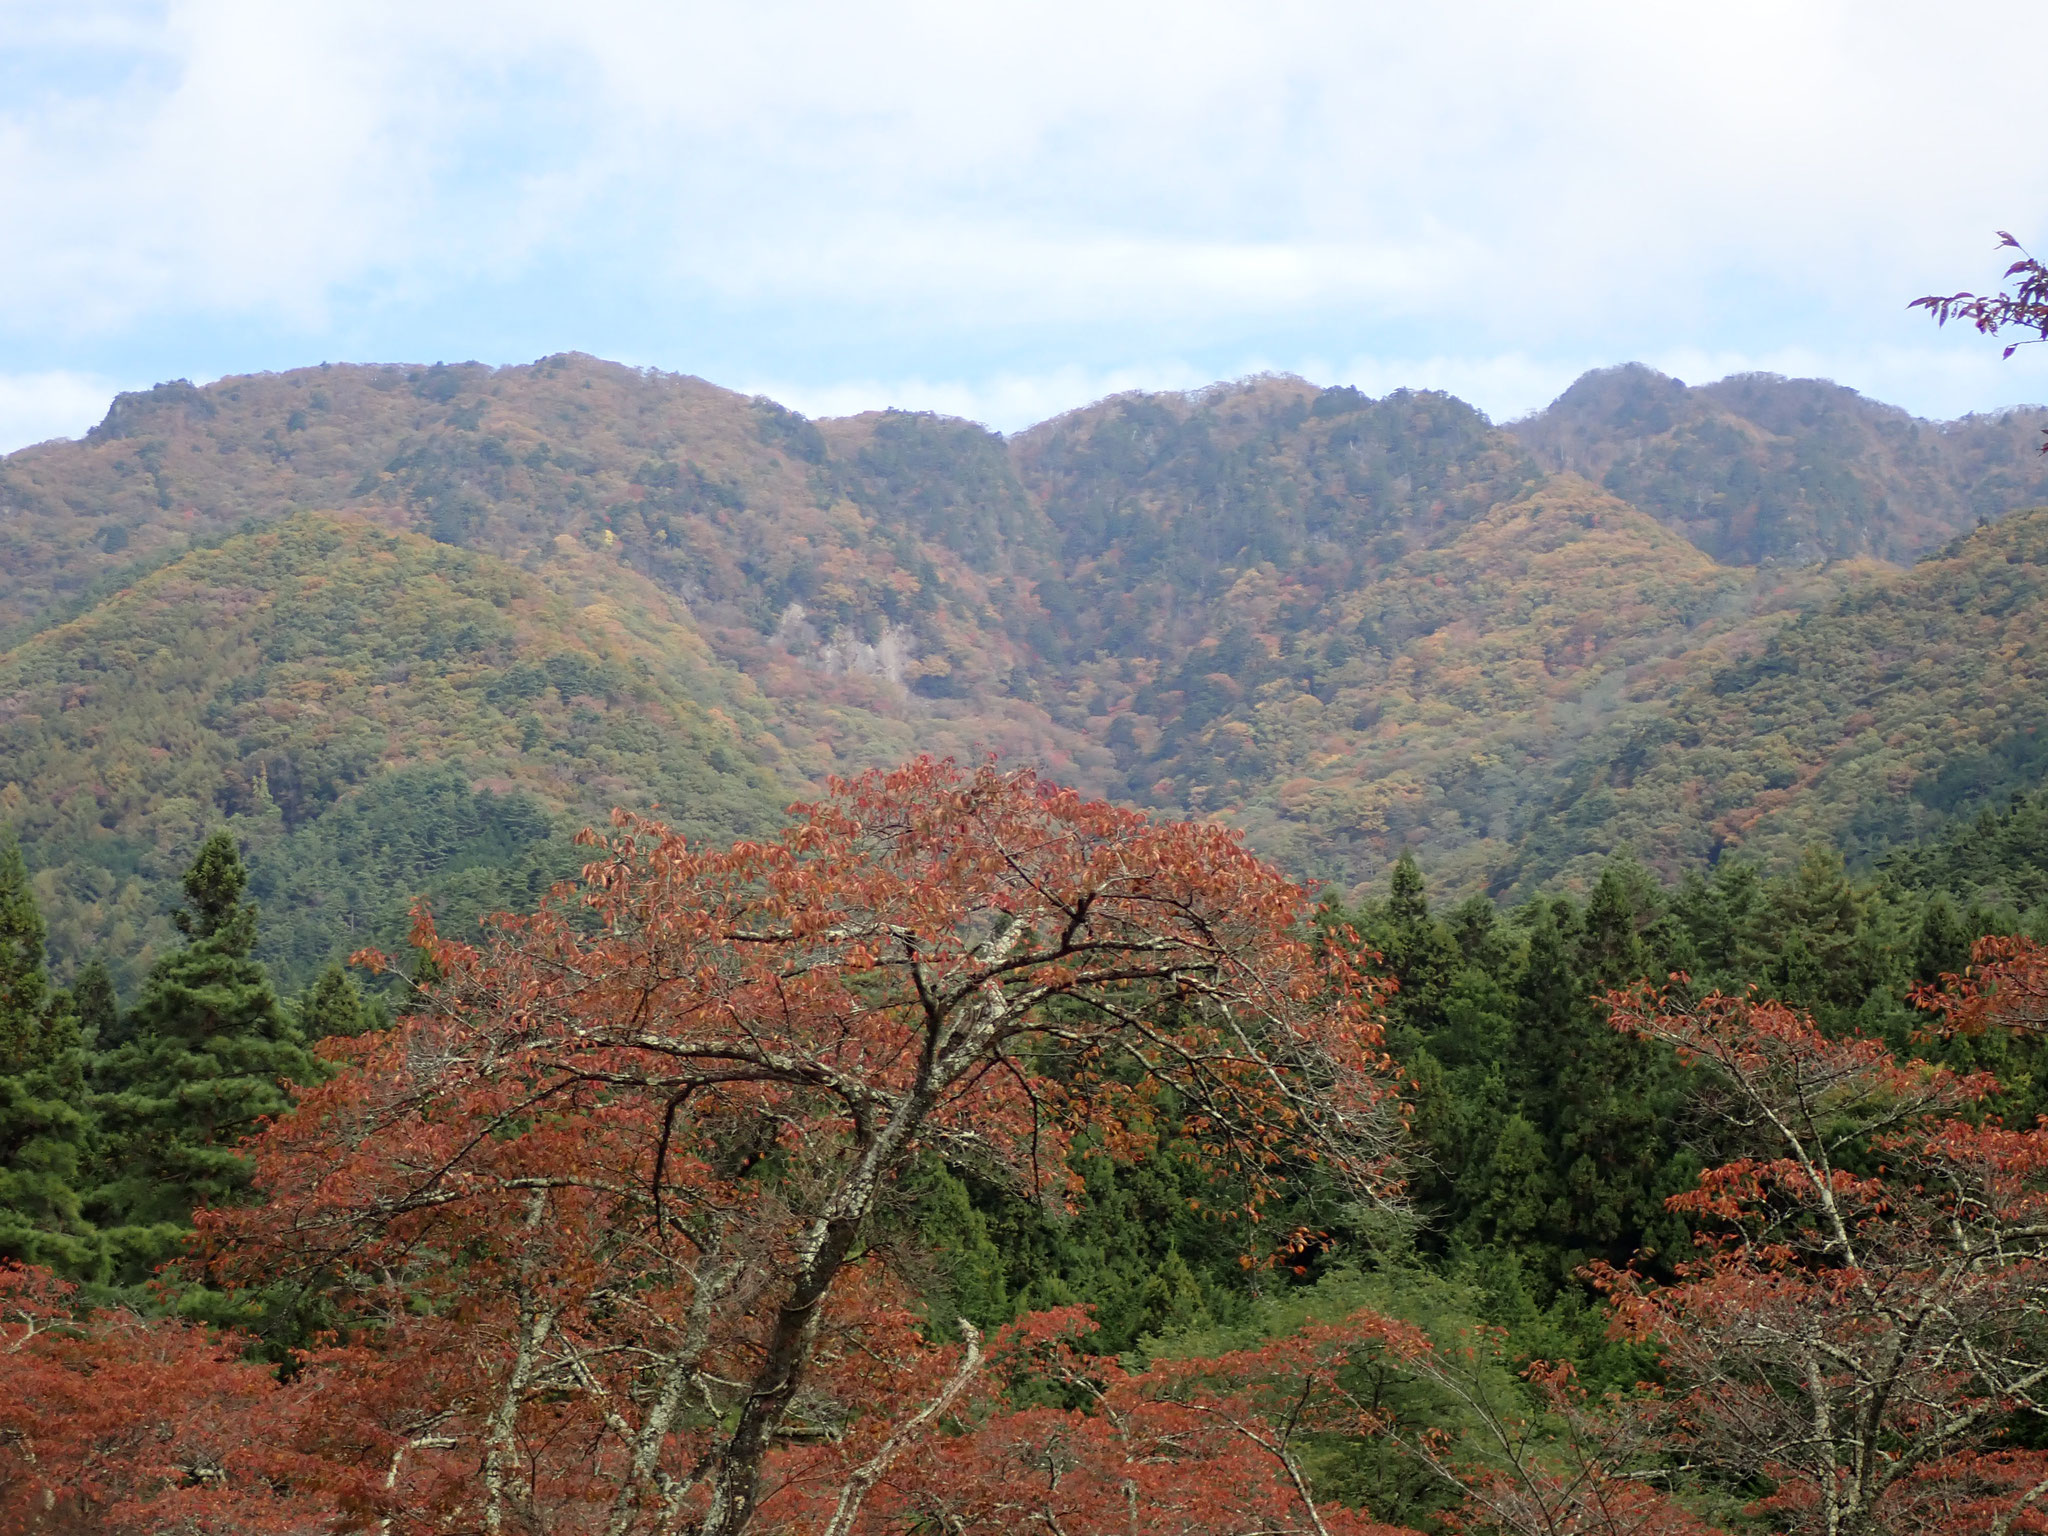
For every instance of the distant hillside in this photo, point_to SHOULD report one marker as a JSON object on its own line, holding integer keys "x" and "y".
{"x": 1760, "y": 468}
{"x": 1354, "y": 626}
{"x": 1918, "y": 697}
{"x": 356, "y": 609}
{"x": 321, "y": 666}
{"x": 820, "y": 605}
{"x": 731, "y": 503}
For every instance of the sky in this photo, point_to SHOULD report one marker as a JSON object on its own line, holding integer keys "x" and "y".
{"x": 1004, "y": 211}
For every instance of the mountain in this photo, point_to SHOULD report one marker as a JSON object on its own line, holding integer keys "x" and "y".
{"x": 319, "y": 663}
{"x": 1758, "y": 468}
{"x": 406, "y": 627}
{"x": 1355, "y": 625}
{"x": 1917, "y": 698}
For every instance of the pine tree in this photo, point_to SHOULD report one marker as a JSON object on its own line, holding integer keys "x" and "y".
{"x": 1831, "y": 959}
{"x": 1407, "y": 896}
{"x": 44, "y": 1125}
{"x": 1419, "y": 950}
{"x": 332, "y": 1006}
{"x": 1943, "y": 942}
{"x": 957, "y": 1235}
{"x": 209, "y": 1055}
{"x": 1591, "y": 1094}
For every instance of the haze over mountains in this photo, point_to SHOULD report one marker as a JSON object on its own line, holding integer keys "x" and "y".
{"x": 400, "y": 626}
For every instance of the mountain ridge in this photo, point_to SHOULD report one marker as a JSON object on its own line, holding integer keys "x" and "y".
{"x": 1347, "y": 626}
{"x": 1758, "y": 468}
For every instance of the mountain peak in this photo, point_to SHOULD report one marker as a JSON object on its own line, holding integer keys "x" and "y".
{"x": 1758, "y": 469}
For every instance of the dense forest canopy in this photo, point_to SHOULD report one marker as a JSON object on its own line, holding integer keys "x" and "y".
{"x": 1511, "y": 1001}
{"x": 1086, "y": 1162}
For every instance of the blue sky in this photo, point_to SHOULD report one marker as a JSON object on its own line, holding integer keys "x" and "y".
{"x": 1007, "y": 210}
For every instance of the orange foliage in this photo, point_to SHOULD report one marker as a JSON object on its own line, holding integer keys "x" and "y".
{"x": 602, "y": 1209}
{"x": 110, "y": 1424}
{"x": 2006, "y": 987}
{"x": 1863, "y": 1321}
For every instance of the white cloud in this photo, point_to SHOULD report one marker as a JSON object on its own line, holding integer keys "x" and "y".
{"x": 1491, "y": 192}
{"x": 35, "y": 407}
{"x": 1007, "y": 402}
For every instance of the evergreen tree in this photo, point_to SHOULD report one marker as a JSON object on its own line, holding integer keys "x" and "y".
{"x": 44, "y": 1124}
{"x": 1829, "y": 956}
{"x": 1943, "y": 942}
{"x": 24, "y": 984}
{"x": 1611, "y": 950}
{"x": 1596, "y": 1098}
{"x": 1407, "y": 896}
{"x": 1422, "y": 953}
{"x": 209, "y": 1054}
{"x": 332, "y": 1006}
{"x": 96, "y": 1007}
{"x": 971, "y": 1279}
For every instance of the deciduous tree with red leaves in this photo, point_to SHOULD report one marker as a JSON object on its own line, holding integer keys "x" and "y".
{"x": 1862, "y": 1342}
{"x": 112, "y": 1424}
{"x": 606, "y": 1213}
{"x": 1223, "y": 1445}
{"x": 2005, "y": 988}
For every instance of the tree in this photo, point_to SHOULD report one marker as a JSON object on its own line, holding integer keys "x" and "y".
{"x": 1216, "y": 1446}
{"x": 1866, "y": 1324}
{"x": 209, "y": 1057}
{"x": 24, "y": 984}
{"x": 44, "y": 1127}
{"x": 1232, "y": 1443}
{"x": 603, "y": 1207}
{"x": 113, "y": 1423}
{"x": 2005, "y": 987}
{"x": 96, "y": 1006}
{"x": 332, "y": 1006}
{"x": 2023, "y": 308}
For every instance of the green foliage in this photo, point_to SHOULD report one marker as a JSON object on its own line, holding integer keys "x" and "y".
{"x": 321, "y": 669}
{"x": 1865, "y": 725}
{"x": 332, "y": 1006}
{"x": 1474, "y": 1313}
{"x": 24, "y": 985}
{"x": 1348, "y": 626}
{"x": 214, "y": 886}
{"x": 349, "y": 879}
{"x": 1399, "y": 647}
{"x": 96, "y": 1006}
{"x": 1546, "y": 1136}
{"x": 2000, "y": 857}
{"x": 44, "y": 1126}
{"x": 209, "y": 1054}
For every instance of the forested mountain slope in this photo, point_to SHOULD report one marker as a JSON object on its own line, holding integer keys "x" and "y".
{"x": 1347, "y": 625}
{"x": 1761, "y": 468}
{"x": 1919, "y": 696}
{"x": 1355, "y": 625}
{"x": 732, "y": 503}
{"x": 452, "y": 707}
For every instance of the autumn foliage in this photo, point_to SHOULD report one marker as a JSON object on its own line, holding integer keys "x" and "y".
{"x": 109, "y": 1424}
{"x": 610, "y": 1232}
{"x": 1863, "y": 1329}
{"x": 606, "y": 1212}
